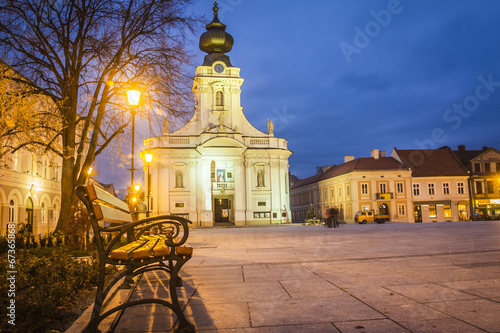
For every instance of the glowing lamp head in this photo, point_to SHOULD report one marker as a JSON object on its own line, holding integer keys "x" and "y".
{"x": 133, "y": 97}
{"x": 148, "y": 157}
{"x": 137, "y": 187}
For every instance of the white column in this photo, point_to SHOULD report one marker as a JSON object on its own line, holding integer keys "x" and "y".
{"x": 275, "y": 191}
{"x": 162, "y": 185}
{"x": 205, "y": 194}
{"x": 192, "y": 191}
{"x": 240, "y": 193}
{"x": 247, "y": 166}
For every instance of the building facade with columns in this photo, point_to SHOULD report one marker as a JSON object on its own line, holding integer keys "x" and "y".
{"x": 218, "y": 168}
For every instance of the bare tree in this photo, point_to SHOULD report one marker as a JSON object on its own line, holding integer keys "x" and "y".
{"x": 22, "y": 113}
{"x": 83, "y": 55}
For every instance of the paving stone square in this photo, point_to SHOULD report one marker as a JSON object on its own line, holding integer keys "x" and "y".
{"x": 436, "y": 277}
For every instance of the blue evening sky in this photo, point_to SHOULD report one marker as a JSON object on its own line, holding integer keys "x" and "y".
{"x": 343, "y": 77}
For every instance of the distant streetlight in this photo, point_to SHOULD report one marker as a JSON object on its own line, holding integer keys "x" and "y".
{"x": 148, "y": 157}
{"x": 133, "y": 97}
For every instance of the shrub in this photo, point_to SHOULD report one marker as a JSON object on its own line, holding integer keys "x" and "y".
{"x": 45, "y": 284}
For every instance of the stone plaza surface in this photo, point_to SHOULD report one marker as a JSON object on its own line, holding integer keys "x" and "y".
{"x": 439, "y": 277}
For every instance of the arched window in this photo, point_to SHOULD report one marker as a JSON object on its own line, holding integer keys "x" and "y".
{"x": 12, "y": 211}
{"x": 43, "y": 214}
{"x": 219, "y": 98}
{"x": 54, "y": 214}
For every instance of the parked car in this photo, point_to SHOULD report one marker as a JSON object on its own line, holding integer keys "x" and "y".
{"x": 370, "y": 216}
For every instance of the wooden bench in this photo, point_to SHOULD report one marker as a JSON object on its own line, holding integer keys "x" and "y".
{"x": 156, "y": 244}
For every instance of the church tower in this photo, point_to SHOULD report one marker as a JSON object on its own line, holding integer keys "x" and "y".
{"x": 218, "y": 168}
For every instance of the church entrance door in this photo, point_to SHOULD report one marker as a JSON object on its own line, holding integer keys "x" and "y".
{"x": 221, "y": 210}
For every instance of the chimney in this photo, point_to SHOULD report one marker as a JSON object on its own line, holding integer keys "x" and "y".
{"x": 348, "y": 158}
{"x": 485, "y": 148}
{"x": 382, "y": 153}
{"x": 461, "y": 148}
{"x": 375, "y": 154}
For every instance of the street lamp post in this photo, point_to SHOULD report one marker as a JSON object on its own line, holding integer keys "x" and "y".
{"x": 133, "y": 97}
{"x": 133, "y": 100}
{"x": 148, "y": 157}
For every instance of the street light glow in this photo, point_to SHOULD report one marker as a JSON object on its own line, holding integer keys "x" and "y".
{"x": 148, "y": 157}
{"x": 133, "y": 97}
{"x": 137, "y": 187}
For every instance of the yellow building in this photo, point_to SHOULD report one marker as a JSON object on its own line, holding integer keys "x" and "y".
{"x": 30, "y": 183}
{"x": 30, "y": 191}
{"x": 439, "y": 187}
{"x": 484, "y": 167}
{"x": 377, "y": 183}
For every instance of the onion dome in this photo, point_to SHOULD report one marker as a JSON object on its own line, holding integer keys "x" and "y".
{"x": 216, "y": 41}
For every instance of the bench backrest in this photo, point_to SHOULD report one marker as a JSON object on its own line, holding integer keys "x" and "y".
{"x": 108, "y": 208}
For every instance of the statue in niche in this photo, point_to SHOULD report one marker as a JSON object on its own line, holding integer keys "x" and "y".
{"x": 260, "y": 178}
{"x": 166, "y": 129}
{"x": 270, "y": 127}
{"x": 178, "y": 179}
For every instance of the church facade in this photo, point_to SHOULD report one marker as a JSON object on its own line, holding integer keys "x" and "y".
{"x": 218, "y": 168}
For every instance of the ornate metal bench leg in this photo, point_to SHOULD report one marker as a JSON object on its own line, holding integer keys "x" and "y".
{"x": 183, "y": 325}
{"x": 179, "y": 279}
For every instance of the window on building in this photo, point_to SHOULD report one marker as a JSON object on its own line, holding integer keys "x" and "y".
{"x": 432, "y": 211}
{"x": 43, "y": 214}
{"x": 348, "y": 190}
{"x": 446, "y": 188}
{"x": 340, "y": 192}
{"x": 490, "y": 186}
{"x": 11, "y": 211}
{"x": 219, "y": 98}
{"x": 416, "y": 189}
{"x": 479, "y": 187}
{"x": 498, "y": 166}
{"x": 431, "y": 189}
{"x": 325, "y": 196}
{"x": 400, "y": 188}
{"x": 460, "y": 188}
{"x": 447, "y": 210}
{"x": 477, "y": 167}
{"x": 401, "y": 210}
{"x": 332, "y": 194}
{"x": 487, "y": 167}
{"x": 364, "y": 188}
{"x": 383, "y": 188}
{"x": 54, "y": 213}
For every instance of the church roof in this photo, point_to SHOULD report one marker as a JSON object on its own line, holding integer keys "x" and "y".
{"x": 216, "y": 41}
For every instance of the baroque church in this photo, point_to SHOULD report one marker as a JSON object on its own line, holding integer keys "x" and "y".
{"x": 218, "y": 168}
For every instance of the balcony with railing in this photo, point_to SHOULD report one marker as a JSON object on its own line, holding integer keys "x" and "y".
{"x": 223, "y": 185}
{"x": 384, "y": 196}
